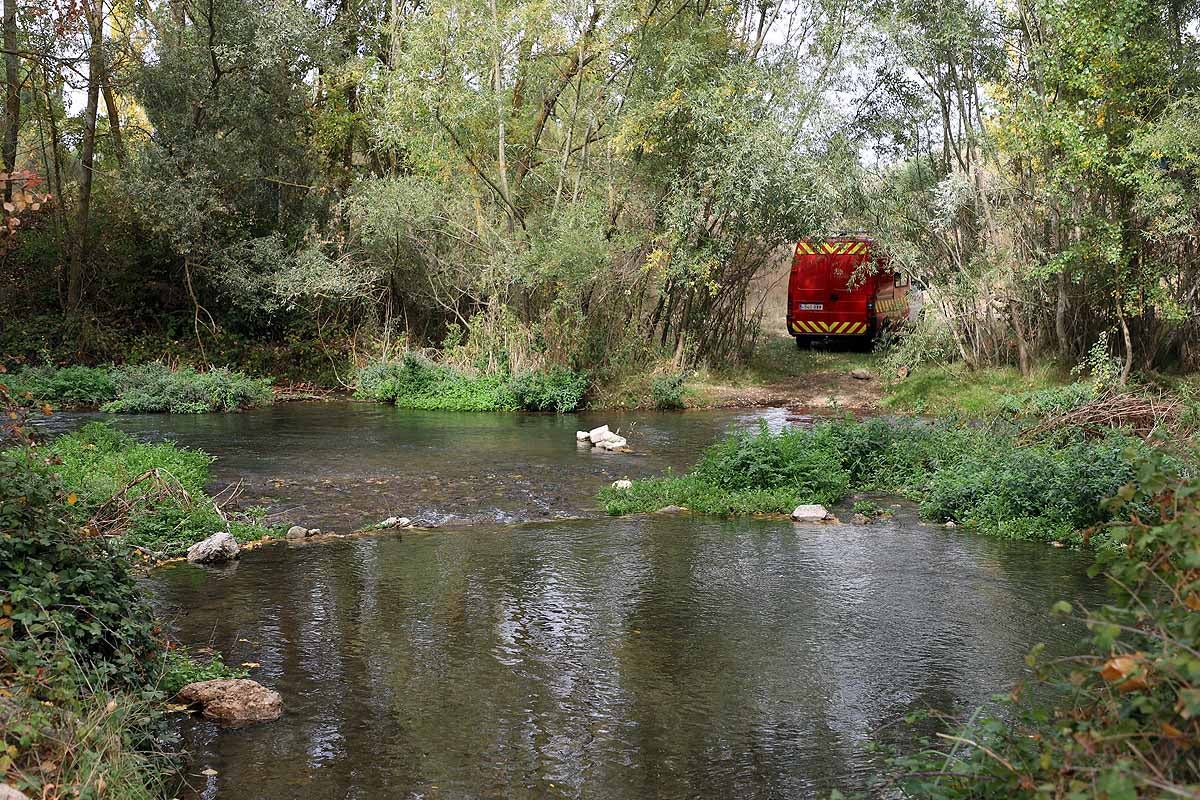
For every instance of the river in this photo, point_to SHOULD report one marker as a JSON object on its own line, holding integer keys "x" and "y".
{"x": 532, "y": 648}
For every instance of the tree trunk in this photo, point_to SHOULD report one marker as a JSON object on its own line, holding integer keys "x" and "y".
{"x": 87, "y": 154}
{"x": 1060, "y": 320}
{"x": 12, "y": 94}
{"x": 114, "y": 117}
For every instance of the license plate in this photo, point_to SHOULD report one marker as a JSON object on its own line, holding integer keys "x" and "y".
{"x": 812, "y": 306}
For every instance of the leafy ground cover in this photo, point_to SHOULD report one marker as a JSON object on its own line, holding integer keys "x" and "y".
{"x": 985, "y": 478}
{"x": 1124, "y": 717}
{"x": 84, "y": 670}
{"x": 148, "y": 497}
{"x": 145, "y": 388}
{"x": 416, "y": 382}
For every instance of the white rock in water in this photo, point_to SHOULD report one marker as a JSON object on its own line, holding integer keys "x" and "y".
{"x": 811, "y": 513}
{"x": 582, "y": 436}
{"x": 297, "y": 532}
{"x": 614, "y": 442}
{"x": 598, "y": 435}
{"x": 314, "y": 531}
{"x": 396, "y": 522}
{"x": 215, "y": 549}
{"x": 622, "y": 484}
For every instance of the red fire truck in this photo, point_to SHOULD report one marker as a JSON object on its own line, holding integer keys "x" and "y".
{"x": 827, "y": 300}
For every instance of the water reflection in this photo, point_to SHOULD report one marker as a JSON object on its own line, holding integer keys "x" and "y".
{"x": 608, "y": 658}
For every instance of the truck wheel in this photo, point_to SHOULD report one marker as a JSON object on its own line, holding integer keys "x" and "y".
{"x": 801, "y": 342}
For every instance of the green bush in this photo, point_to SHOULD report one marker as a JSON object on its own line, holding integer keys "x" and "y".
{"x": 79, "y": 655}
{"x": 984, "y": 478}
{"x": 415, "y": 382}
{"x": 1119, "y": 720}
{"x": 70, "y": 386}
{"x": 1050, "y": 400}
{"x": 556, "y": 389}
{"x": 666, "y": 391}
{"x": 155, "y": 387}
{"x": 63, "y": 589}
{"x": 147, "y": 388}
{"x": 168, "y": 510}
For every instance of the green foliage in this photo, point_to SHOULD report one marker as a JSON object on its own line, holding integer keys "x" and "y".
{"x": 147, "y": 388}
{"x": 1051, "y": 400}
{"x": 181, "y": 667}
{"x": 79, "y": 654}
{"x": 986, "y": 479}
{"x": 415, "y": 382}
{"x": 556, "y": 389}
{"x": 68, "y": 386}
{"x": 154, "y": 387}
{"x": 666, "y": 391}
{"x": 1138, "y": 680}
{"x": 162, "y": 486}
{"x": 60, "y": 586}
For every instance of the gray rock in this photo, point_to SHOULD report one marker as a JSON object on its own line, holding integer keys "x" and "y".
{"x": 860, "y": 519}
{"x": 672, "y": 510}
{"x": 9, "y": 793}
{"x": 218, "y": 548}
{"x": 233, "y": 700}
{"x": 951, "y": 524}
{"x": 614, "y": 442}
{"x": 598, "y": 435}
{"x": 810, "y": 513}
{"x": 314, "y": 531}
{"x": 622, "y": 484}
{"x": 297, "y": 532}
{"x": 396, "y": 522}
{"x": 861, "y": 374}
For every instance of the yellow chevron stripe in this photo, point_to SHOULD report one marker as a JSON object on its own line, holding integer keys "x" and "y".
{"x": 806, "y": 247}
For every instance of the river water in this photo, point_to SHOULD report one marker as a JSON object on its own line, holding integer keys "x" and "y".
{"x": 545, "y": 651}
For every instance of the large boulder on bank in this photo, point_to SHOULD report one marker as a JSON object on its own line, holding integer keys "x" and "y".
{"x": 216, "y": 549}
{"x": 297, "y": 532}
{"x": 234, "y": 700}
{"x": 810, "y": 513}
{"x": 861, "y": 374}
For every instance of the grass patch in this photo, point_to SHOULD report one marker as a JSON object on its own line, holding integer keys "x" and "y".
{"x": 146, "y": 388}
{"x": 162, "y": 508}
{"x": 937, "y": 390}
{"x": 979, "y": 477}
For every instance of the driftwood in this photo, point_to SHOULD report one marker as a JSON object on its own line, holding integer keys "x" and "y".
{"x": 1141, "y": 414}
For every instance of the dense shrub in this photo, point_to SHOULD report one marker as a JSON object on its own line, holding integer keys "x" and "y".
{"x": 79, "y": 656}
{"x": 556, "y": 389}
{"x": 416, "y": 382}
{"x": 151, "y": 387}
{"x": 1120, "y": 720}
{"x": 155, "y": 387}
{"x": 61, "y": 587}
{"x": 666, "y": 391}
{"x": 985, "y": 478}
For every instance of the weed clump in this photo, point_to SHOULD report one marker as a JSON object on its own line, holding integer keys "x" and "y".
{"x": 418, "y": 383}
{"x": 145, "y": 388}
{"x": 984, "y": 478}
